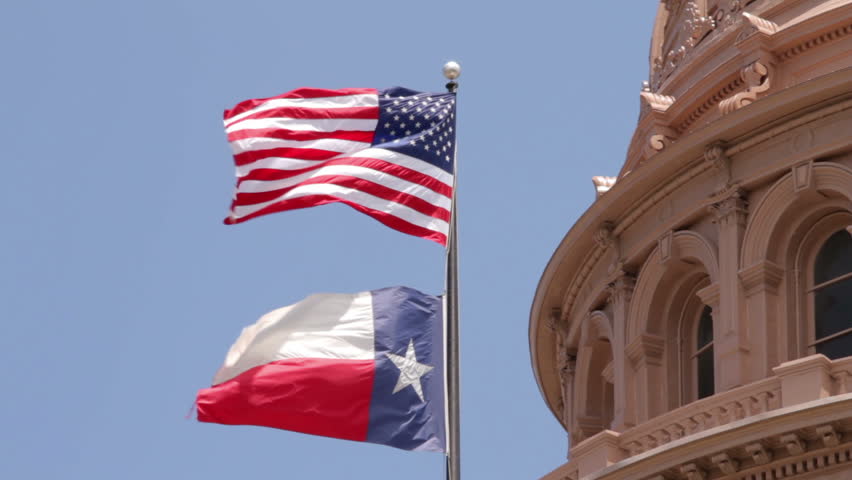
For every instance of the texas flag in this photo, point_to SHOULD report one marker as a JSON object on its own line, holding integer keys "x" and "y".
{"x": 366, "y": 366}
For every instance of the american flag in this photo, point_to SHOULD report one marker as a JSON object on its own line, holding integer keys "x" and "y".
{"x": 388, "y": 153}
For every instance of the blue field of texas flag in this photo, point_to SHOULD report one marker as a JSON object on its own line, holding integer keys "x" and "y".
{"x": 366, "y": 366}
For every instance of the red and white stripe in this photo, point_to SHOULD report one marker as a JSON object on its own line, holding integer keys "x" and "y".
{"x": 308, "y": 367}
{"x": 311, "y": 146}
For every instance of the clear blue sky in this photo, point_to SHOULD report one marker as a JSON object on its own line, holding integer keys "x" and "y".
{"x": 121, "y": 290}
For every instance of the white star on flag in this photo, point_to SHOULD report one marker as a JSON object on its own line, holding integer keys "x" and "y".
{"x": 410, "y": 370}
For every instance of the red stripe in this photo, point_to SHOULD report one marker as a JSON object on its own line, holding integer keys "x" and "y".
{"x": 389, "y": 194}
{"x": 367, "y": 113}
{"x": 380, "y": 166}
{"x": 285, "y": 152}
{"x": 298, "y": 93}
{"x": 318, "y": 396}
{"x": 301, "y": 135}
{"x": 314, "y": 200}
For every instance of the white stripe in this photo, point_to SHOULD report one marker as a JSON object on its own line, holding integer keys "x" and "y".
{"x": 334, "y": 326}
{"x": 262, "y": 143}
{"x": 403, "y": 160}
{"x": 357, "y": 171}
{"x": 355, "y": 196}
{"x": 306, "y": 124}
{"x": 345, "y": 101}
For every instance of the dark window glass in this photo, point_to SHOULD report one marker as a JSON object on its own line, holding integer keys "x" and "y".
{"x": 704, "y": 359}
{"x": 834, "y": 258}
{"x": 705, "y": 373}
{"x": 833, "y": 305}
{"x": 837, "y": 347}
{"x": 705, "y": 327}
{"x": 833, "y": 302}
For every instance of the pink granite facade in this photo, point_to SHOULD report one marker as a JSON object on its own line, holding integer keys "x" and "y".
{"x": 691, "y": 324}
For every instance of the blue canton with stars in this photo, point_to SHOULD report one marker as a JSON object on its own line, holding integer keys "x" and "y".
{"x": 418, "y": 124}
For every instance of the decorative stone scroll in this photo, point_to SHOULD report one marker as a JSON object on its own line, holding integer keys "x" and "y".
{"x": 758, "y": 76}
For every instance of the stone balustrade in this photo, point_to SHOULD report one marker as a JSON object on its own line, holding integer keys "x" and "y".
{"x": 720, "y": 409}
{"x": 795, "y": 382}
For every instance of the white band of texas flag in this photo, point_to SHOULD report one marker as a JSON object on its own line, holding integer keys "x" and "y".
{"x": 365, "y": 367}
{"x": 388, "y": 153}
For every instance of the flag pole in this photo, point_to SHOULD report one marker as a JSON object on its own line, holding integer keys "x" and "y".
{"x": 452, "y": 70}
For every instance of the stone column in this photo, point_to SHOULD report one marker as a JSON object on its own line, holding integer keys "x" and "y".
{"x": 567, "y": 370}
{"x": 730, "y": 332}
{"x": 621, "y": 291}
{"x": 566, "y": 364}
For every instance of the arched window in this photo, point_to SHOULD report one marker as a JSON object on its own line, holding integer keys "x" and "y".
{"x": 703, "y": 357}
{"x": 831, "y": 292}
{"x": 696, "y": 364}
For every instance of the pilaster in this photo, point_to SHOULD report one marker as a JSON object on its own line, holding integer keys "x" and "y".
{"x": 768, "y": 335}
{"x": 621, "y": 292}
{"x": 730, "y": 333}
{"x": 646, "y": 356}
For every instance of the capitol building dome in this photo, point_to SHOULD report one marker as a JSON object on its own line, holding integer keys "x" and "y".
{"x": 696, "y": 322}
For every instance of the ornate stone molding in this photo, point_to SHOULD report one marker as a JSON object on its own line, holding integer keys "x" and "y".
{"x": 758, "y": 77}
{"x": 659, "y": 138}
{"x": 711, "y": 101}
{"x": 760, "y": 454}
{"x": 715, "y": 155}
{"x": 603, "y": 184}
{"x": 725, "y": 463}
{"x": 604, "y": 236}
{"x": 752, "y": 24}
{"x": 734, "y": 207}
{"x": 810, "y": 43}
{"x": 693, "y": 472}
{"x": 661, "y": 134}
{"x": 696, "y": 25}
{"x": 803, "y": 176}
{"x": 793, "y": 443}
{"x": 554, "y": 320}
{"x": 620, "y": 289}
{"x": 655, "y": 101}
